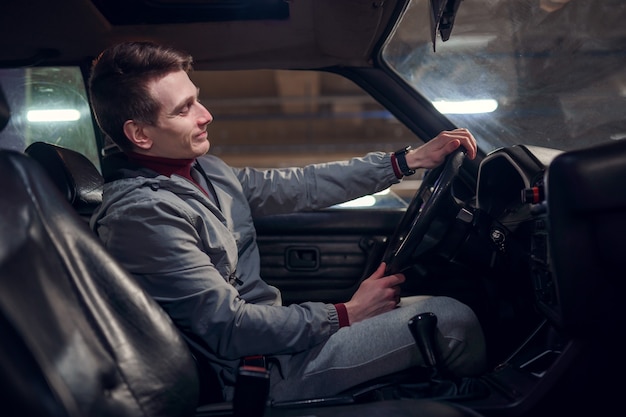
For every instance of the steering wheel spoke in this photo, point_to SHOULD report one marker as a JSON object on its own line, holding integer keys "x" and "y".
{"x": 421, "y": 212}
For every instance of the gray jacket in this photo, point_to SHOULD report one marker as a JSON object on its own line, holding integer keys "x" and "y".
{"x": 201, "y": 262}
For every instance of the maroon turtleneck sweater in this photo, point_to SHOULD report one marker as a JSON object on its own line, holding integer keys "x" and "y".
{"x": 166, "y": 166}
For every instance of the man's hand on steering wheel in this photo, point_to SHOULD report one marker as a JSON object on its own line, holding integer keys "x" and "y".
{"x": 433, "y": 196}
{"x": 434, "y": 152}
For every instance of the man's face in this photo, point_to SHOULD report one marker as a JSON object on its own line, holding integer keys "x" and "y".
{"x": 180, "y": 131}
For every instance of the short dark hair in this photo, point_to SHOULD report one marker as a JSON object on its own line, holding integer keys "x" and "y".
{"x": 118, "y": 85}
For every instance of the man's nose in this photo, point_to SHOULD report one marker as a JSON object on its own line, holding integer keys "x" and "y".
{"x": 205, "y": 116}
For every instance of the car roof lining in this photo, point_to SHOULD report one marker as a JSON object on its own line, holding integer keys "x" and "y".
{"x": 305, "y": 39}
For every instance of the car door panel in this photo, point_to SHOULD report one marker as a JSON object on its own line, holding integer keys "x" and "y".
{"x": 322, "y": 255}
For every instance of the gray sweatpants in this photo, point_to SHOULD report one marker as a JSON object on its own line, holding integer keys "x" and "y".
{"x": 379, "y": 346}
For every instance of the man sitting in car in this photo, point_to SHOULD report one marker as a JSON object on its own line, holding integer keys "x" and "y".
{"x": 180, "y": 220}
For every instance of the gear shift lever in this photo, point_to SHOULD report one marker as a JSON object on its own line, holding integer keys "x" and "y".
{"x": 423, "y": 328}
{"x": 443, "y": 384}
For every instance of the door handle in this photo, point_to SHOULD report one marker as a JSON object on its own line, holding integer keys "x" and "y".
{"x": 302, "y": 258}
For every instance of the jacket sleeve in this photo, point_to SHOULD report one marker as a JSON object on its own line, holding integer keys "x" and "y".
{"x": 149, "y": 235}
{"x": 277, "y": 191}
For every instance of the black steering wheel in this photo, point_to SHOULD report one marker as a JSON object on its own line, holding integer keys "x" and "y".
{"x": 428, "y": 201}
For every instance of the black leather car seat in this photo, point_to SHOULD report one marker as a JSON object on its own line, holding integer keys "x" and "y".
{"x": 80, "y": 182}
{"x": 79, "y": 337}
{"x": 587, "y": 216}
{"x": 586, "y": 196}
{"x": 72, "y": 173}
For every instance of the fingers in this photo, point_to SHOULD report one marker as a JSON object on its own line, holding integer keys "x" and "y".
{"x": 380, "y": 271}
{"x": 390, "y": 280}
{"x": 452, "y": 145}
{"x": 461, "y": 137}
{"x": 391, "y": 290}
{"x": 449, "y": 140}
{"x": 434, "y": 152}
{"x": 394, "y": 280}
{"x": 377, "y": 294}
{"x": 396, "y": 294}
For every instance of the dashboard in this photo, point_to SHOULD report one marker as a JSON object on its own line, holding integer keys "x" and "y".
{"x": 511, "y": 193}
{"x": 563, "y": 212}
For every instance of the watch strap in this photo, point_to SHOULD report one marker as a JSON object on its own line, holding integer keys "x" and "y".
{"x": 400, "y": 156}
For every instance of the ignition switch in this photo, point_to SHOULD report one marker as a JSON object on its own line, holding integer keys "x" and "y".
{"x": 498, "y": 237}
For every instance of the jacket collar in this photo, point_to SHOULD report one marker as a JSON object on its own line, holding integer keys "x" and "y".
{"x": 118, "y": 166}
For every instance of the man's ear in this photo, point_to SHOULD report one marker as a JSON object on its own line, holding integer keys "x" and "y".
{"x": 136, "y": 134}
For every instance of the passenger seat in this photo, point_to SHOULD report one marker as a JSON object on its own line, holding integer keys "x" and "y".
{"x": 72, "y": 173}
{"x": 79, "y": 337}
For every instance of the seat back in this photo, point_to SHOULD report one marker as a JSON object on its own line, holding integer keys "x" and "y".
{"x": 72, "y": 173}
{"x": 79, "y": 336}
{"x": 587, "y": 218}
{"x": 79, "y": 181}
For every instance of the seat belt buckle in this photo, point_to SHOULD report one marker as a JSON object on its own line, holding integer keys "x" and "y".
{"x": 252, "y": 388}
{"x": 257, "y": 361}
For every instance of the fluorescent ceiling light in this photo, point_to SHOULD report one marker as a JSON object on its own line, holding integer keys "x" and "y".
{"x": 58, "y": 115}
{"x": 466, "y": 106}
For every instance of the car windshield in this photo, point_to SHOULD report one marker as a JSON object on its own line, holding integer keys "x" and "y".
{"x": 548, "y": 73}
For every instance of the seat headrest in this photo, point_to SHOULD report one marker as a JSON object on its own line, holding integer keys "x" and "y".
{"x": 74, "y": 175}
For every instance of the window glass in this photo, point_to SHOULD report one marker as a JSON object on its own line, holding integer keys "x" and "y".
{"x": 48, "y": 104}
{"x": 262, "y": 119}
{"x": 543, "y": 73}
{"x": 270, "y": 119}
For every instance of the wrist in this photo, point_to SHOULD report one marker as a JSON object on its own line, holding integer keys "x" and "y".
{"x": 354, "y": 312}
{"x": 400, "y": 164}
{"x": 396, "y": 168}
{"x": 342, "y": 315}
